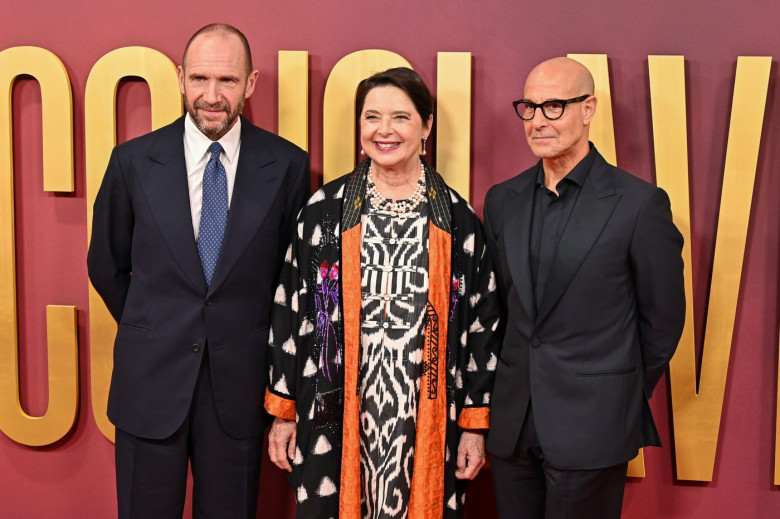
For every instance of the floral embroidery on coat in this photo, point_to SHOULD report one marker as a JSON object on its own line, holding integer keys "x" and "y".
{"x": 326, "y": 300}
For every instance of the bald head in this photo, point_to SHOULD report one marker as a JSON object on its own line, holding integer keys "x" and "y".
{"x": 226, "y": 31}
{"x": 571, "y": 77}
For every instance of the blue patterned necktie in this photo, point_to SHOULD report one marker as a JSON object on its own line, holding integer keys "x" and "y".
{"x": 213, "y": 213}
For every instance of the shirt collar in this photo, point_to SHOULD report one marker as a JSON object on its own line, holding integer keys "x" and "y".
{"x": 576, "y": 175}
{"x": 198, "y": 143}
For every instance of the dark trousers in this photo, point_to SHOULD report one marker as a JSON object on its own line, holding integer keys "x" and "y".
{"x": 151, "y": 475}
{"x": 527, "y": 487}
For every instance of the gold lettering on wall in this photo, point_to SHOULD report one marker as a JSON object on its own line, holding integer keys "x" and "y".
{"x": 56, "y": 111}
{"x": 338, "y": 108}
{"x": 602, "y": 134}
{"x": 697, "y": 414}
{"x": 453, "y": 120}
{"x": 293, "y": 108}
{"x": 100, "y": 138}
{"x": 62, "y": 341}
{"x": 696, "y": 408}
{"x": 602, "y": 127}
{"x": 62, "y": 362}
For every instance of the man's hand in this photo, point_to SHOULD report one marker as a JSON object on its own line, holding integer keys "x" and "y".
{"x": 471, "y": 454}
{"x": 281, "y": 443}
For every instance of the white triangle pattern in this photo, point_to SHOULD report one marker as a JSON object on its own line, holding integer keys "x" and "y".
{"x": 280, "y": 297}
{"x": 298, "y": 457}
{"x": 322, "y": 446}
{"x": 327, "y": 488}
{"x": 281, "y": 386}
{"x": 491, "y": 365}
{"x": 452, "y": 504}
{"x": 310, "y": 369}
{"x": 468, "y": 244}
{"x": 289, "y": 346}
{"x": 316, "y": 197}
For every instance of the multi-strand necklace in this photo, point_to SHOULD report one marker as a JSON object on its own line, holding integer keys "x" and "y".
{"x": 382, "y": 203}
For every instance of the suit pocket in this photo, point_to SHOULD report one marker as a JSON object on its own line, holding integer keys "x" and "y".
{"x": 605, "y": 249}
{"x": 606, "y": 373}
{"x": 134, "y": 327}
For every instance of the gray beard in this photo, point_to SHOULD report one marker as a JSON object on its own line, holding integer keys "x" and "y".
{"x": 212, "y": 133}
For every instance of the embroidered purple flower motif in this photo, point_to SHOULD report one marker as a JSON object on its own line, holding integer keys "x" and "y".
{"x": 326, "y": 298}
{"x": 455, "y": 294}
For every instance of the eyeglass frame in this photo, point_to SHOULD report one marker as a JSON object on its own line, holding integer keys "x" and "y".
{"x": 563, "y": 102}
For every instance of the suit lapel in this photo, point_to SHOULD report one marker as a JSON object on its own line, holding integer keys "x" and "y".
{"x": 516, "y": 237}
{"x": 595, "y": 204}
{"x": 256, "y": 186}
{"x": 164, "y": 182}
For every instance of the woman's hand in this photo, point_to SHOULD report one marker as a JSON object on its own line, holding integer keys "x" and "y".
{"x": 471, "y": 454}
{"x": 281, "y": 443}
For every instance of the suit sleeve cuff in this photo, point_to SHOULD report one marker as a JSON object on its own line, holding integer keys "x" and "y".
{"x": 278, "y": 406}
{"x": 473, "y": 418}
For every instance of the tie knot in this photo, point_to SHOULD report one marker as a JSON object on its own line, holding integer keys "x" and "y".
{"x": 216, "y": 150}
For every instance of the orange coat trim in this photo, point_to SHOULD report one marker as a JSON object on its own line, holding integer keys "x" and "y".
{"x": 474, "y": 418}
{"x": 349, "y": 497}
{"x": 277, "y": 406}
{"x": 427, "y": 496}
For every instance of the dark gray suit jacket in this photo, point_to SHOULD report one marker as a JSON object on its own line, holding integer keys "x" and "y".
{"x": 143, "y": 261}
{"x": 609, "y": 321}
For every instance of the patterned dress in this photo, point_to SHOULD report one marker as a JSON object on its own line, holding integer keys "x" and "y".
{"x": 394, "y": 297}
{"x": 379, "y": 414}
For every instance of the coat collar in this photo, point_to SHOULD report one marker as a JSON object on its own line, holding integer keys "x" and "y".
{"x": 162, "y": 175}
{"x": 257, "y": 183}
{"x": 436, "y": 191}
{"x": 595, "y": 204}
{"x": 164, "y": 181}
{"x": 593, "y": 208}
{"x": 516, "y": 237}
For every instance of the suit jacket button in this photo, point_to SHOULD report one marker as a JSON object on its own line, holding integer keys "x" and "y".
{"x": 209, "y": 302}
{"x": 535, "y": 342}
{"x": 196, "y": 348}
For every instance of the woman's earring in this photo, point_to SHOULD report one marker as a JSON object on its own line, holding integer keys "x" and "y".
{"x": 362, "y": 151}
{"x": 424, "y": 152}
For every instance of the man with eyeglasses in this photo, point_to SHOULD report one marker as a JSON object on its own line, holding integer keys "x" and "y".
{"x": 591, "y": 281}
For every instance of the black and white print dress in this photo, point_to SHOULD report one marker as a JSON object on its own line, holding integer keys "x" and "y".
{"x": 394, "y": 264}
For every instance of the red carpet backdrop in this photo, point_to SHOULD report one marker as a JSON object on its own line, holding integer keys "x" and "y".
{"x": 687, "y": 99}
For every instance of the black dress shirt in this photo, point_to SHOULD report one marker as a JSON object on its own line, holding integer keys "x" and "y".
{"x": 550, "y": 215}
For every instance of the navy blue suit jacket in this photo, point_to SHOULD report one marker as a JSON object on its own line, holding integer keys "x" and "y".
{"x": 143, "y": 261}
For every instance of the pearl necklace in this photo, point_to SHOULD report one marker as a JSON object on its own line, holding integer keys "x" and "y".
{"x": 382, "y": 203}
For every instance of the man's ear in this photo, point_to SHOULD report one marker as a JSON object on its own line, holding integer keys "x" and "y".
{"x": 180, "y": 74}
{"x": 589, "y": 109}
{"x": 250, "y": 83}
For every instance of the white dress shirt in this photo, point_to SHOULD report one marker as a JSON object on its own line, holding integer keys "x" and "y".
{"x": 196, "y": 156}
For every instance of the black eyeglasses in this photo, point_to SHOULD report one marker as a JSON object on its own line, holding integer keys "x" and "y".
{"x": 552, "y": 109}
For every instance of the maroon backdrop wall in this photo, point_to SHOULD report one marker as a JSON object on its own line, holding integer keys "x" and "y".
{"x": 74, "y": 477}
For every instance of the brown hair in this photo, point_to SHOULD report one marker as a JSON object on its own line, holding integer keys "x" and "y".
{"x": 400, "y": 77}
